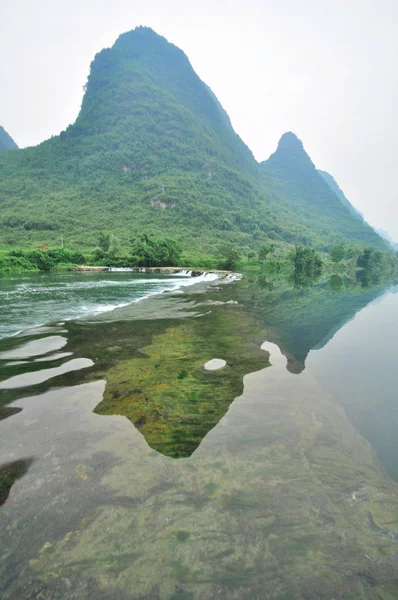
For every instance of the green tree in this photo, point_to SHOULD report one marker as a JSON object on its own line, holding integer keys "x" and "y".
{"x": 305, "y": 261}
{"x": 337, "y": 253}
{"x": 99, "y": 254}
{"x": 230, "y": 256}
{"x": 104, "y": 241}
{"x": 265, "y": 250}
{"x": 153, "y": 252}
{"x": 114, "y": 247}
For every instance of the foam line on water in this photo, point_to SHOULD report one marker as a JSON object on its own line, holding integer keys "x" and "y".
{"x": 71, "y": 307}
{"x": 178, "y": 284}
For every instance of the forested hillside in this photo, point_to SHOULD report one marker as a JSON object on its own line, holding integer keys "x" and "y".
{"x": 153, "y": 150}
{"x": 6, "y": 141}
{"x": 330, "y": 180}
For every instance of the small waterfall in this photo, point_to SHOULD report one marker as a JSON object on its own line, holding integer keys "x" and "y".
{"x": 120, "y": 269}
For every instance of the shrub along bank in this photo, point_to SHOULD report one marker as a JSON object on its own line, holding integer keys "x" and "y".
{"x": 40, "y": 260}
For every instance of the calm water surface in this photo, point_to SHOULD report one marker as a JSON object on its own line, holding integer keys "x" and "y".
{"x": 129, "y": 471}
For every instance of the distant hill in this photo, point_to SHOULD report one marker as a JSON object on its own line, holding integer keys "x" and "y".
{"x": 6, "y": 141}
{"x": 153, "y": 150}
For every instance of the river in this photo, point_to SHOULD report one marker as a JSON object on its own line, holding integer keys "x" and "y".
{"x": 128, "y": 470}
{"x": 33, "y": 299}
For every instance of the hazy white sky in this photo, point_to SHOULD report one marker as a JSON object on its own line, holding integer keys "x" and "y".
{"x": 324, "y": 69}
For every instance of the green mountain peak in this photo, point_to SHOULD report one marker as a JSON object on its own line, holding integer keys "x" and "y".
{"x": 290, "y": 154}
{"x": 315, "y": 200}
{"x": 290, "y": 142}
{"x": 152, "y": 150}
{"x": 144, "y": 88}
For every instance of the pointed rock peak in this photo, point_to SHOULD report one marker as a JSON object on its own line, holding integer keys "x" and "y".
{"x": 144, "y": 93}
{"x": 142, "y": 40}
{"x": 141, "y": 31}
{"x": 290, "y": 152}
{"x": 139, "y": 34}
{"x": 290, "y": 141}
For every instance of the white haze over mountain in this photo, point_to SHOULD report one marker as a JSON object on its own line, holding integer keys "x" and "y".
{"x": 325, "y": 70}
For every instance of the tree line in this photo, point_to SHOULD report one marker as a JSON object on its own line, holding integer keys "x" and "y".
{"x": 149, "y": 250}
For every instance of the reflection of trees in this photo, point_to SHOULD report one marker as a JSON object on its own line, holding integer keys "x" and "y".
{"x": 336, "y": 283}
{"x": 264, "y": 282}
{"x": 300, "y": 279}
{"x": 375, "y": 266}
{"x": 368, "y": 277}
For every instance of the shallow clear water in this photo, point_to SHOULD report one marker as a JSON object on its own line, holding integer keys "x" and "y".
{"x": 33, "y": 299}
{"x": 130, "y": 471}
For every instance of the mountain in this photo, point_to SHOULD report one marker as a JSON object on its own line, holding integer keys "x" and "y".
{"x": 6, "y": 141}
{"x": 340, "y": 194}
{"x": 386, "y": 236}
{"x": 312, "y": 203}
{"x": 153, "y": 150}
